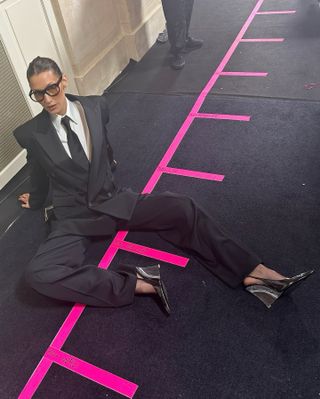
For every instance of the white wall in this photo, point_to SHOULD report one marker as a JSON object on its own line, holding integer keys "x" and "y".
{"x": 102, "y": 36}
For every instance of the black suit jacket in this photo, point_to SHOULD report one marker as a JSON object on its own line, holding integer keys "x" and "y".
{"x": 77, "y": 195}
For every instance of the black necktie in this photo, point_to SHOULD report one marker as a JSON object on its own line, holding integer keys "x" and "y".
{"x": 76, "y": 150}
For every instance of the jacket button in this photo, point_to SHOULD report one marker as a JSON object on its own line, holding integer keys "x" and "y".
{"x": 89, "y": 204}
{"x": 109, "y": 195}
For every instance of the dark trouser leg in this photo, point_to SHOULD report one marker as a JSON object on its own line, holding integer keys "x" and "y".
{"x": 188, "y": 11}
{"x": 180, "y": 221}
{"x": 178, "y": 15}
{"x": 57, "y": 271}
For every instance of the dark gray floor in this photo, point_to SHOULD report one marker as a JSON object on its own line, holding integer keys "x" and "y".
{"x": 9, "y": 205}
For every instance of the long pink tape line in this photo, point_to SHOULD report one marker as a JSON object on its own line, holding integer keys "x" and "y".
{"x": 276, "y": 12}
{"x": 240, "y": 73}
{"x": 54, "y": 353}
{"x": 151, "y": 253}
{"x": 192, "y": 173}
{"x": 245, "y": 118}
{"x": 261, "y": 40}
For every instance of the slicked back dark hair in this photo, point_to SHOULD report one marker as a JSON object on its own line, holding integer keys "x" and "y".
{"x": 42, "y": 64}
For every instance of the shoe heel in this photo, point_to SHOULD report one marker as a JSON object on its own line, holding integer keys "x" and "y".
{"x": 164, "y": 296}
{"x": 266, "y": 295}
{"x": 151, "y": 274}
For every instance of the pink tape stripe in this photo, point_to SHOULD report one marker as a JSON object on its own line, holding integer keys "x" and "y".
{"x": 257, "y": 74}
{"x": 245, "y": 118}
{"x": 175, "y": 144}
{"x": 276, "y": 12}
{"x": 258, "y": 40}
{"x": 192, "y": 173}
{"x": 225, "y": 59}
{"x": 78, "y": 308}
{"x": 91, "y": 372}
{"x": 67, "y": 326}
{"x": 35, "y": 379}
{"x": 121, "y": 235}
{"x": 152, "y": 253}
{"x": 64, "y": 331}
{"x": 110, "y": 253}
{"x": 152, "y": 182}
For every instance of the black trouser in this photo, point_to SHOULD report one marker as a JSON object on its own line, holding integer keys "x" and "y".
{"x": 178, "y": 15}
{"x": 58, "y": 268}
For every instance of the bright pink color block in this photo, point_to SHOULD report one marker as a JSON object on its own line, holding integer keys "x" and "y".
{"x": 151, "y": 253}
{"x": 244, "y": 118}
{"x": 192, "y": 173}
{"x": 35, "y": 379}
{"x": 276, "y": 12}
{"x": 92, "y": 372}
{"x": 253, "y": 74}
{"x": 67, "y": 326}
{"x": 258, "y": 40}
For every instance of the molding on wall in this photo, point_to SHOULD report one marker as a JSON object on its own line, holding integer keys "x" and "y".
{"x": 109, "y": 64}
{"x": 144, "y": 36}
{"x": 12, "y": 168}
{"x": 103, "y": 71}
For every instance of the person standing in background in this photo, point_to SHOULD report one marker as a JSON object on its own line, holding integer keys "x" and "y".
{"x": 178, "y": 16}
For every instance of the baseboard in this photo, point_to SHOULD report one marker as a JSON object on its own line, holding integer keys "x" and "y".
{"x": 12, "y": 169}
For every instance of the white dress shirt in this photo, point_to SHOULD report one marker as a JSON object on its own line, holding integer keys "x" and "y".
{"x": 75, "y": 123}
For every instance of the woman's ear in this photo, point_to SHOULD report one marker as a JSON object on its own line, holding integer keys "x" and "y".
{"x": 64, "y": 81}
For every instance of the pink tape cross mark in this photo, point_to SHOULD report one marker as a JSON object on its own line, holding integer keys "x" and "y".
{"x": 83, "y": 368}
{"x": 92, "y": 372}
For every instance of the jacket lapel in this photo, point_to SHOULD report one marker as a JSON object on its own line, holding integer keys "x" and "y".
{"x": 48, "y": 139}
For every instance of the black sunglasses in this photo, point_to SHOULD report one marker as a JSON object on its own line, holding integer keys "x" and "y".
{"x": 52, "y": 90}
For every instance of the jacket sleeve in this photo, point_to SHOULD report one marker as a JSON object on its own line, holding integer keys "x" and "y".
{"x": 39, "y": 181}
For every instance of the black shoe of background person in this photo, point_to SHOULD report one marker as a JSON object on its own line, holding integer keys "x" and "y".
{"x": 177, "y": 62}
{"x": 192, "y": 44}
{"x": 151, "y": 275}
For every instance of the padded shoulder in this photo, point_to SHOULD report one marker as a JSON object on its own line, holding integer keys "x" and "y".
{"x": 22, "y": 132}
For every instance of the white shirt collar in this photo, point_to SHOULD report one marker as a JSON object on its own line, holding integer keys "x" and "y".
{"x": 70, "y": 113}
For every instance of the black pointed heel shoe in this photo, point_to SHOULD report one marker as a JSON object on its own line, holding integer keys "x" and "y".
{"x": 151, "y": 274}
{"x": 271, "y": 290}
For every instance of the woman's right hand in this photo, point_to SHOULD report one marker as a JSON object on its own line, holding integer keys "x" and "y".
{"x": 24, "y": 200}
